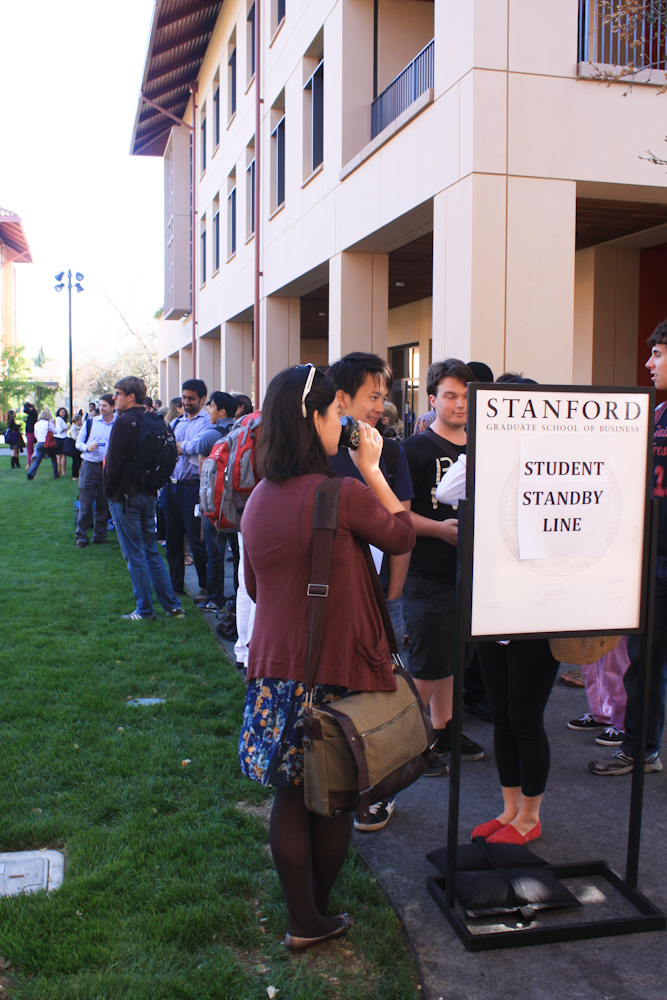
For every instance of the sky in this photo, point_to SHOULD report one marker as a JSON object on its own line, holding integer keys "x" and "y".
{"x": 71, "y": 75}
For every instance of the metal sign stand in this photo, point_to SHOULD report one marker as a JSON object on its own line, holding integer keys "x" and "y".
{"x": 443, "y": 888}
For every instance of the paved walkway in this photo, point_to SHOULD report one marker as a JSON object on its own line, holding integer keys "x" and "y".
{"x": 584, "y": 818}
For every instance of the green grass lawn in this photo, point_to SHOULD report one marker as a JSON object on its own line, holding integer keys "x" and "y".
{"x": 169, "y": 889}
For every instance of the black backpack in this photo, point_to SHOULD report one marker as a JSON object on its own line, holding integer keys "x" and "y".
{"x": 156, "y": 455}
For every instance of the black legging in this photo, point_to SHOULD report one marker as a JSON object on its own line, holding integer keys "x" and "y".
{"x": 518, "y": 679}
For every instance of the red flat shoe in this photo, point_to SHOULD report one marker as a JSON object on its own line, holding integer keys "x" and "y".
{"x": 510, "y": 835}
{"x": 486, "y": 829}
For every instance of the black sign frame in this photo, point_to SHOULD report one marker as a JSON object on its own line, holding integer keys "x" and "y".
{"x": 443, "y": 889}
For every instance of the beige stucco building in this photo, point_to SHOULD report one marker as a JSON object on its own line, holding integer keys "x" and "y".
{"x": 437, "y": 179}
{"x": 14, "y": 249}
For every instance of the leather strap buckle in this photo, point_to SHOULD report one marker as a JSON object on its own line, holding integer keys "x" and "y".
{"x": 318, "y": 590}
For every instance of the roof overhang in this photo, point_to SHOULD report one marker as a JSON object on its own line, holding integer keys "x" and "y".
{"x": 14, "y": 238}
{"x": 179, "y": 36}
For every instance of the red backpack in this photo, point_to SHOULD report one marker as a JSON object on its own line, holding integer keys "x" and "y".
{"x": 227, "y": 476}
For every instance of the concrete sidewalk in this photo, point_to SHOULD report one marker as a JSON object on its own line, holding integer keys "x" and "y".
{"x": 584, "y": 818}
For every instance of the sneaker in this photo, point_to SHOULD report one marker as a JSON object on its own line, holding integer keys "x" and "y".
{"x": 620, "y": 763}
{"x": 611, "y": 737}
{"x": 586, "y": 724}
{"x": 211, "y": 606}
{"x": 436, "y": 764}
{"x": 201, "y": 597}
{"x": 379, "y": 815}
{"x": 136, "y": 617}
{"x": 175, "y": 613}
{"x": 81, "y": 543}
{"x": 469, "y": 749}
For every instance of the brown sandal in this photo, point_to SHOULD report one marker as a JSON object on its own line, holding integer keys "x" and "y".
{"x": 573, "y": 678}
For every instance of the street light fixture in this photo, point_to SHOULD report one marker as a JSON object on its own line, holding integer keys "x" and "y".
{"x": 59, "y": 287}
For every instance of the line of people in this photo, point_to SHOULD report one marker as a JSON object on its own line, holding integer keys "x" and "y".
{"x": 300, "y": 446}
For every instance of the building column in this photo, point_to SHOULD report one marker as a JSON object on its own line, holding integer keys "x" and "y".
{"x": 280, "y": 344}
{"x": 162, "y": 381}
{"x": 606, "y": 316}
{"x": 208, "y": 361}
{"x": 173, "y": 387}
{"x": 358, "y": 303}
{"x": 503, "y": 274}
{"x": 236, "y": 358}
{"x": 184, "y": 366}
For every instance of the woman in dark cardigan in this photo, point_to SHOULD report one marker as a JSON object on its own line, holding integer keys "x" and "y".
{"x": 300, "y": 428}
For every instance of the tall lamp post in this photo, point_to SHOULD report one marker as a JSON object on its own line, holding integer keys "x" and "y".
{"x": 79, "y": 287}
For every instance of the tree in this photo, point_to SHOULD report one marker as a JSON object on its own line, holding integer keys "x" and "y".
{"x": 135, "y": 353}
{"x": 16, "y": 378}
{"x": 40, "y": 360}
{"x": 639, "y": 26}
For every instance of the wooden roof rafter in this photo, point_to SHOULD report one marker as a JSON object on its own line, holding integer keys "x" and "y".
{"x": 179, "y": 36}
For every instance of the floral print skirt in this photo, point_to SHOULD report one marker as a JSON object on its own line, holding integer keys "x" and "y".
{"x": 271, "y": 739}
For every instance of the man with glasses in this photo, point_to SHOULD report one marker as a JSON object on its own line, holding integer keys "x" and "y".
{"x": 181, "y": 494}
{"x": 133, "y": 508}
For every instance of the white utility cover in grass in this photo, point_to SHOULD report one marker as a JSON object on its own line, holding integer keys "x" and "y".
{"x": 146, "y": 701}
{"x": 30, "y": 871}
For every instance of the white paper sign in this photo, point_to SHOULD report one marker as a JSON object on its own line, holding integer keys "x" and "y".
{"x": 562, "y": 496}
{"x": 589, "y": 586}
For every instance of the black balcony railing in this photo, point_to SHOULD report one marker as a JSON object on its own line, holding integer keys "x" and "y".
{"x": 401, "y": 92}
{"x": 606, "y": 38}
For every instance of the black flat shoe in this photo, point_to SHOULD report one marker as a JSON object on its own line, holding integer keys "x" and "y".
{"x": 300, "y": 944}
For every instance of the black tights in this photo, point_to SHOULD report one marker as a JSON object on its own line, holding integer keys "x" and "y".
{"x": 308, "y": 852}
{"x": 518, "y": 680}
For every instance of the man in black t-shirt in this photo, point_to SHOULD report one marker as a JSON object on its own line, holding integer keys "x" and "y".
{"x": 429, "y": 596}
{"x": 622, "y": 760}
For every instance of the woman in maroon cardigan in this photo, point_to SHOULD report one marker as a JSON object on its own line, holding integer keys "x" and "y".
{"x": 300, "y": 428}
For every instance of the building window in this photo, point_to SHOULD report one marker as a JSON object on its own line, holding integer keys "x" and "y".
{"x": 231, "y": 215}
{"x": 277, "y": 14}
{"x": 202, "y": 131}
{"x": 232, "y": 83}
{"x": 216, "y": 235}
{"x": 250, "y": 193}
{"x": 278, "y": 164}
{"x": 314, "y": 119}
{"x": 216, "y": 117}
{"x": 251, "y": 43}
{"x": 202, "y": 241}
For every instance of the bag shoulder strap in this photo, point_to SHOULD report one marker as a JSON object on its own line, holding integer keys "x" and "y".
{"x": 325, "y": 523}
{"x": 381, "y": 601}
{"x": 390, "y": 455}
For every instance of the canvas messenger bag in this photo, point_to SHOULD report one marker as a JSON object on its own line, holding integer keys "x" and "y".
{"x": 370, "y": 745}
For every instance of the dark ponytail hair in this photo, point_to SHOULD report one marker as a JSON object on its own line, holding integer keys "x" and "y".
{"x": 290, "y": 445}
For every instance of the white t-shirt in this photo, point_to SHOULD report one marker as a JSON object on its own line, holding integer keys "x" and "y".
{"x": 61, "y": 428}
{"x": 74, "y": 431}
{"x": 41, "y": 429}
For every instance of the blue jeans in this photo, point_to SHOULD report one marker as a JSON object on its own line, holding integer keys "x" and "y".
{"x": 40, "y": 453}
{"x": 135, "y": 526}
{"x": 658, "y": 674}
